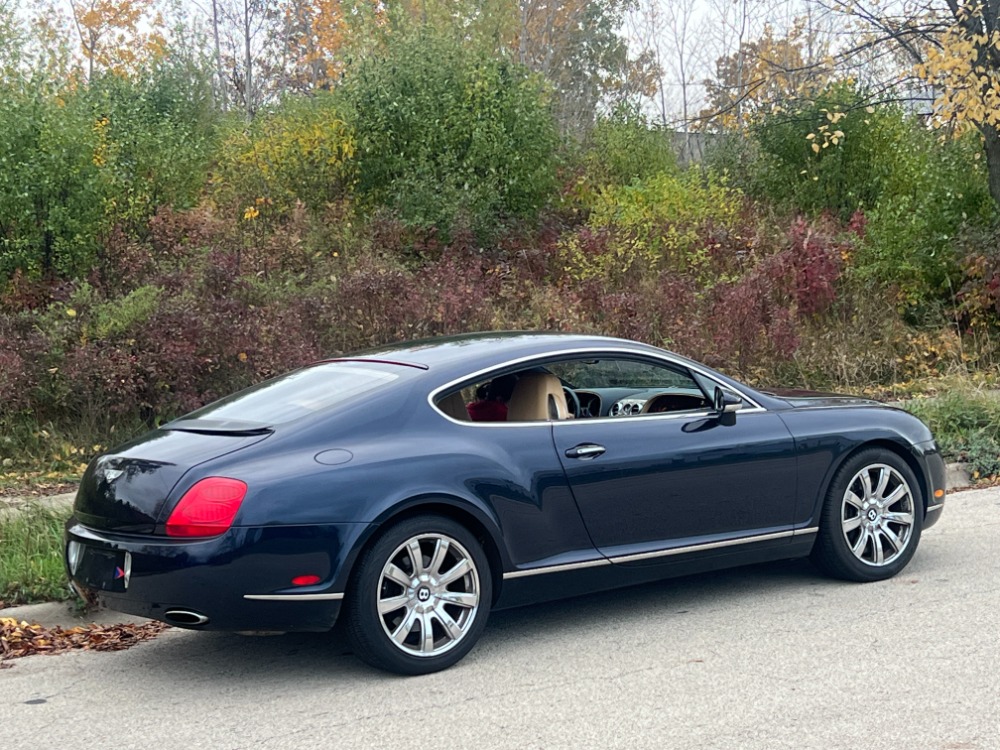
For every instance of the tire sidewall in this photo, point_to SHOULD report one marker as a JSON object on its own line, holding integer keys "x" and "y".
{"x": 364, "y": 625}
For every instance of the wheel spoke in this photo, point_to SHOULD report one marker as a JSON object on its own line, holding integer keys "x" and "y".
{"x": 395, "y": 574}
{"x": 426, "y": 633}
{"x": 455, "y": 573}
{"x": 905, "y": 518}
{"x": 861, "y": 543}
{"x": 896, "y": 495}
{"x": 452, "y": 627}
{"x": 385, "y": 606}
{"x": 440, "y": 550}
{"x": 877, "y": 553}
{"x": 850, "y": 524}
{"x": 851, "y": 499}
{"x": 416, "y": 556}
{"x": 866, "y": 484}
{"x": 883, "y": 480}
{"x": 459, "y": 598}
{"x": 401, "y": 633}
{"x": 895, "y": 541}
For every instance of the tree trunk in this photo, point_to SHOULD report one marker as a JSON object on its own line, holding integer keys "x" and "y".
{"x": 248, "y": 61}
{"x": 220, "y": 75}
{"x": 991, "y": 136}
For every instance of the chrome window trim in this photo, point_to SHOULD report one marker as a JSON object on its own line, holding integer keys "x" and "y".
{"x": 756, "y": 408}
{"x": 295, "y": 597}
{"x": 660, "y": 553}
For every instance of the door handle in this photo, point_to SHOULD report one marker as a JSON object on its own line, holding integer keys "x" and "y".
{"x": 585, "y": 450}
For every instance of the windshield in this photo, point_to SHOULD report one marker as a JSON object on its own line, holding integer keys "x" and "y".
{"x": 300, "y": 393}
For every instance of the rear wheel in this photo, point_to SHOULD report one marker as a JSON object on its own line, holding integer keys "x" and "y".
{"x": 420, "y": 598}
{"x": 870, "y": 525}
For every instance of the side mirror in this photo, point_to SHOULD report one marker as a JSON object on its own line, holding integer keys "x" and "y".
{"x": 726, "y": 404}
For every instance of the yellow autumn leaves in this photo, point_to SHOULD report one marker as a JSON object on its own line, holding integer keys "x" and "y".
{"x": 963, "y": 72}
{"x": 824, "y": 137}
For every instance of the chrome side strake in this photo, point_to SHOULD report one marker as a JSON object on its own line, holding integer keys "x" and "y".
{"x": 932, "y": 508}
{"x": 295, "y": 597}
{"x": 712, "y": 545}
{"x": 659, "y": 553}
{"x": 556, "y": 568}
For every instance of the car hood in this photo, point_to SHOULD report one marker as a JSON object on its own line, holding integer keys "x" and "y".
{"x": 799, "y": 398}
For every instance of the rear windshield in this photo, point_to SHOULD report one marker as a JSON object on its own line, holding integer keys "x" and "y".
{"x": 301, "y": 393}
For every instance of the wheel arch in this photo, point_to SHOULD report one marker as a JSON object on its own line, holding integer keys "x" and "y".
{"x": 899, "y": 449}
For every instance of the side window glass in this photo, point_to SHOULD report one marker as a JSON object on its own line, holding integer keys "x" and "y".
{"x": 605, "y": 388}
{"x": 617, "y": 388}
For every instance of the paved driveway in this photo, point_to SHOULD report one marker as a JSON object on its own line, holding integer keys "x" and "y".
{"x": 767, "y": 657}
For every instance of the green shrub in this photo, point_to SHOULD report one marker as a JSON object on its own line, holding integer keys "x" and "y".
{"x": 909, "y": 191}
{"x": 156, "y": 133}
{"x": 624, "y": 147}
{"x": 77, "y": 161}
{"x": 665, "y": 221}
{"x": 52, "y": 192}
{"x": 302, "y": 151}
{"x": 445, "y": 130}
{"x": 966, "y": 425}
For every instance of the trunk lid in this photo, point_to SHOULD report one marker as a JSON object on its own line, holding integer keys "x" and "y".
{"x": 126, "y": 490}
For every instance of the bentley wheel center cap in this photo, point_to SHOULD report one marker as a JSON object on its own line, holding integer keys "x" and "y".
{"x": 872, "y": 515}
{"x": 423, "y": 593}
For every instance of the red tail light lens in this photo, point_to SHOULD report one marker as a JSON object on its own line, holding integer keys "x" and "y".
{"x": 208, "y": 508}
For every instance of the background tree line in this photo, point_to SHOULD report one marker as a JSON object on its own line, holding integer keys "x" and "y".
{"x": 197, "y": 196}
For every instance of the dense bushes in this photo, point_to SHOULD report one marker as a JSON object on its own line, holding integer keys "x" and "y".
{"x": 445, "y": 131}
{"x": 155, "y": 255}
{"x": 76, "y": 162}
{"x": 915, "y": 189}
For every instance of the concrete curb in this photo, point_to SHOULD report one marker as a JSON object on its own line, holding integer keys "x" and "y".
{"x": 11, "y": 505}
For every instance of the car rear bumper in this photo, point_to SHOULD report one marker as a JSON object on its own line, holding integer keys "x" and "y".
{"x": 238, "y": 581}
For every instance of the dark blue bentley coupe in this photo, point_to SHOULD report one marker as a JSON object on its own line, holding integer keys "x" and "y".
{"x": 410, "y": 490}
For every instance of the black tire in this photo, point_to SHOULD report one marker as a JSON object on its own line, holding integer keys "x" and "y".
{"x": 369, "y": 631}
{"x": 833, "y": 552}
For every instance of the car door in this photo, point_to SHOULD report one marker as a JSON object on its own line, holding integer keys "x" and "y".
{"x": 651, "y": 482}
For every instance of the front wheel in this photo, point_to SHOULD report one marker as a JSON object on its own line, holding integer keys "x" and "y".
{"x": 870, "y": 524}
{"x": 420, "y": 598}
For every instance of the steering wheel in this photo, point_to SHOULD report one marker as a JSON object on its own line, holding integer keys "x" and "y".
{"x": 573, "y": 401}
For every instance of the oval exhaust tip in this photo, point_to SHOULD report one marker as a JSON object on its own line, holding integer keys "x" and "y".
{"x": 184, "y": 617}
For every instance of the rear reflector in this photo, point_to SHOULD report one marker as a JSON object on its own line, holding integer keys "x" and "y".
{"x": 305, "y": 580}
{"x": 208, "y": 508}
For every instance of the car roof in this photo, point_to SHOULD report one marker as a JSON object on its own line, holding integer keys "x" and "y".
{"x": 480, "y": 350}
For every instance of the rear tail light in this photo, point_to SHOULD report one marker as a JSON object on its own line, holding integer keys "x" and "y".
{"x": 208, "y": 508}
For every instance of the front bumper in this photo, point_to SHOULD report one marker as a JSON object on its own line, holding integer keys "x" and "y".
{"x": 935, "y": 480}
{"x": 238, "y": 581}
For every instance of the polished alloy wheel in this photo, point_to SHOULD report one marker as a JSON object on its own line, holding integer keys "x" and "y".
{"x": 428, "y": 595}
{"x": 877, "y": 514}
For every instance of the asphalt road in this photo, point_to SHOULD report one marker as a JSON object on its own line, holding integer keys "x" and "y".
{"x": 773, "y": 656}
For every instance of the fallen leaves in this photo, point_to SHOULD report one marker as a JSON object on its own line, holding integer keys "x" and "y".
{"x": 18, "y": 639}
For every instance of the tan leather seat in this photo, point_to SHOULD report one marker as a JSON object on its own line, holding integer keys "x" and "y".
{"x": 454, "y": 406}
{"x": 537, "y": 396}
